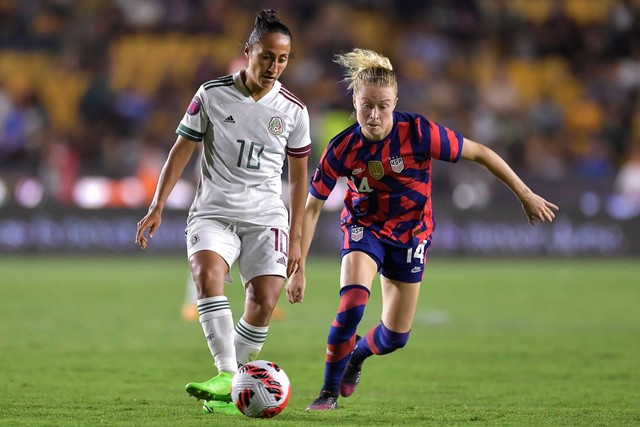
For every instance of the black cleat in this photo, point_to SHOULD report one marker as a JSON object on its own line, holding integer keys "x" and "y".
{"x": 351, "y": 376}
{"x": 350, "y": 379}
{"x": 326, "y": 401}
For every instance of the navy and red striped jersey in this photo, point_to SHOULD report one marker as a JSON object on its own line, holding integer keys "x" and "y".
{"x": 389, "y": 181}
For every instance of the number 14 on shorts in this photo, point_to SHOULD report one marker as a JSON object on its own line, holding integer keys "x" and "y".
{"x": 419, "y": 252}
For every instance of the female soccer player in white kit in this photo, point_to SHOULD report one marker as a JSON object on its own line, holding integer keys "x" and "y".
{"x": 249, "y": 123}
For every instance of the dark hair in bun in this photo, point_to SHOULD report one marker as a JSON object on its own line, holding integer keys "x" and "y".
{"x": 267, "y": 22}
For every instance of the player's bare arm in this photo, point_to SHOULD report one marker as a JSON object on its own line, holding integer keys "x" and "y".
{"x": 535, "y": 207}
{"x": 298, "y": 186}
{"x": 296, "y": 285}
{"x": 177, "y": 160}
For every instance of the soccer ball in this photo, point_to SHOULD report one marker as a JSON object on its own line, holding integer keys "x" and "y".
{"x": 260, "y": 389}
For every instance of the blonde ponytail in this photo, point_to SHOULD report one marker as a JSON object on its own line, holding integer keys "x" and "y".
{"x": 366, "y": 67}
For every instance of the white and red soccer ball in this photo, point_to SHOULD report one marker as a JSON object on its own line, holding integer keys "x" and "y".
{"x": 260, "y": 389}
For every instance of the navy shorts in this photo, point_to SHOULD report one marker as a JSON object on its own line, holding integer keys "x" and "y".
{"x": 405, "y": 264}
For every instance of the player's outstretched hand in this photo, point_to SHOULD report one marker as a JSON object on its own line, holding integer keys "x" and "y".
{"x": 295, "y": 287}
{"x": 538, "y": 208}
{"x": 151, "y": 222}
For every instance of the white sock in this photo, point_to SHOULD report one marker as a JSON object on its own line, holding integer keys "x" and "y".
{"x": 217, "y": 324}
{"x": 249, "y": 340}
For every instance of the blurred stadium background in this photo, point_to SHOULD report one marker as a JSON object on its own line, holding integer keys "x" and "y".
{"x": 92, "y": 91}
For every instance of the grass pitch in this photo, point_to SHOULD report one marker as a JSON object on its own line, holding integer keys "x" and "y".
{"x": 89, "y": 341}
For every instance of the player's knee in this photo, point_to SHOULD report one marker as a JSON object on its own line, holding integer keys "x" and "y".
{"x": 393, "y": 340}
{"x": 261, "y": 302}
{"x": 265, "y": 305}
{"x": 400, "y": 341}
{"x": 207, "y": 280}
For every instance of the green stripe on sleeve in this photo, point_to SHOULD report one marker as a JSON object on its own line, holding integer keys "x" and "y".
{"x": 190, "y": 134}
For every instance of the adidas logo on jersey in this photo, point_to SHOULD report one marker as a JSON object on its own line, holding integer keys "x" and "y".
{"x": 282, "y": 261}
{"x": 229, "y": 120}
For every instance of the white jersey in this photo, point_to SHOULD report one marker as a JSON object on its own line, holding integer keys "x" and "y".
{"x": 245, "y": 146}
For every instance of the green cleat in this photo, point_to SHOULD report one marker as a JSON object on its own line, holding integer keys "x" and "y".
{"x": 217, "y": 388}
{"x": 215, "y": 406}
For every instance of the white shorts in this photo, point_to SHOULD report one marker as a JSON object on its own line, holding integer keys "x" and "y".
{"x": 259, "y": 250}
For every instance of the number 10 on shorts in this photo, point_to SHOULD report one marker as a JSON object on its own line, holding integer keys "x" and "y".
{"x": 281, "y": 241}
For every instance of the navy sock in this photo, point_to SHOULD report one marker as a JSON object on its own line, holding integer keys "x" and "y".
{"x": 342, "y": 335}
{"x": 380, "y": 340}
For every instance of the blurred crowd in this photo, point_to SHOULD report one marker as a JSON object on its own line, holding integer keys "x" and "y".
{"x": 96, "y": 88}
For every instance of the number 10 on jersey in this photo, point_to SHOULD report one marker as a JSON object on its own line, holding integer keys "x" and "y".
{"x": 253, "y": 154}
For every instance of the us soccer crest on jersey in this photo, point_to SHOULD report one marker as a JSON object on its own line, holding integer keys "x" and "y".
{"x": 397, "y": 164}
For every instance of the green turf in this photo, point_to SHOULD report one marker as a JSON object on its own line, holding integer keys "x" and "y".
{"x": 89, "y": 341}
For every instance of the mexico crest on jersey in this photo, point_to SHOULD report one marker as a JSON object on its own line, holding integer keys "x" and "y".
{"x": 356, "y": 233}
{"x": 397, "y": 164}
{"x": 376, "y": 169}
{"x": 276, "y": 125}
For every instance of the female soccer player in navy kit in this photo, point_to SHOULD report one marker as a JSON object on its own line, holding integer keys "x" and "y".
{"x": 387, "y": 220}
